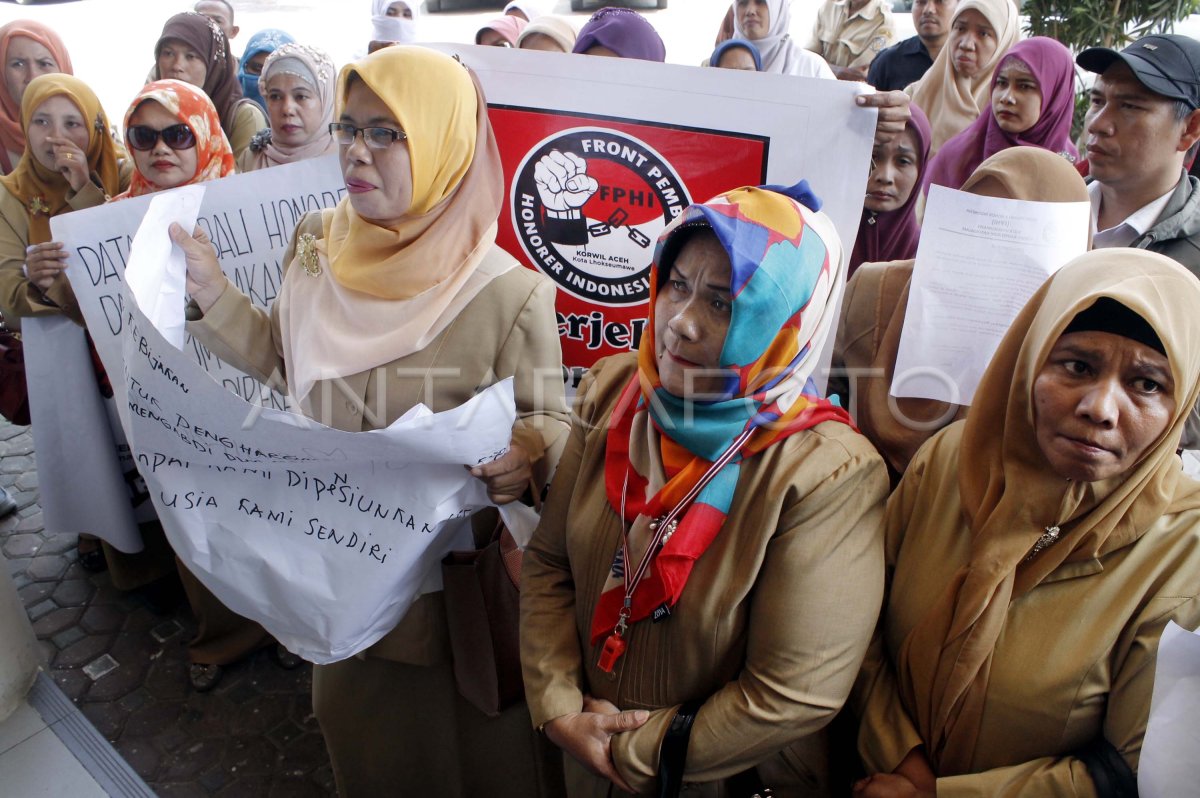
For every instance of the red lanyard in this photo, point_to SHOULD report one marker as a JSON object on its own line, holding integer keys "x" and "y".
{"x": 661, "y": 528}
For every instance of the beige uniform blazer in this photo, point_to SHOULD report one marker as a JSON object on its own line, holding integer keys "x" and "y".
{"x": 1075, "y": 660}
{"x": 508, "y": 330}
{"x": 18, "y": 296}
{"x": 248, "y": 119}
{"x": 770, "y": 629}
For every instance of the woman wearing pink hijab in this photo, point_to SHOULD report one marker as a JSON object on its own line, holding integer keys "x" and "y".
{"x": 1032, "y": 104}
{"x": 501, "y": 32}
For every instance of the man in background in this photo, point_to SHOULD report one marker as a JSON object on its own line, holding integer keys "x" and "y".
{"x": 1143, "y": 117}
{"x": 905, "y": 63}
{"x": 220, "y": 12}
{"x": 848, "y": 34}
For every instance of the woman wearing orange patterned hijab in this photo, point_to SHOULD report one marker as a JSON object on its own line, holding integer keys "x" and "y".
{"x": 175, "y": 137}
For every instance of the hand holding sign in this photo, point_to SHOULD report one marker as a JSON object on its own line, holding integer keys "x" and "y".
{"x": 44, "y": 263}
{"x": 205, "y": 280}
{"x": 508, "y": 476}
{"x": 563, "y": 182}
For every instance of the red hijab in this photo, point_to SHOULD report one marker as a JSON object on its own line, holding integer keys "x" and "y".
{"x": 12, "y": 138}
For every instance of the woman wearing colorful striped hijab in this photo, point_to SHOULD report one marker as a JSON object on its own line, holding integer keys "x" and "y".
{"x": 711, "y": 546}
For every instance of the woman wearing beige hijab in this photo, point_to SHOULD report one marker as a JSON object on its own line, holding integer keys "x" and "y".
{"x": 399, "y": 295}
{"x": 297, "y": 85}
{"x": 957, "y": 88}
{"x": 873, "y": 310}
{"x": 1037, "y": 550}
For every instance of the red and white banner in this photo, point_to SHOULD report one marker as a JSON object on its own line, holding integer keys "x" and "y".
{"x": 600, "y": 154}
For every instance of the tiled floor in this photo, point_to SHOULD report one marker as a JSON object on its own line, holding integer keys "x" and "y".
{"x": 47, "y": 748}
{"x": 121, "y": 658}
{"x": 30, "y": 751}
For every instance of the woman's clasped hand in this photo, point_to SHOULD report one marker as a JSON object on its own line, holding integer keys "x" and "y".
{"x": 587, "y": 735}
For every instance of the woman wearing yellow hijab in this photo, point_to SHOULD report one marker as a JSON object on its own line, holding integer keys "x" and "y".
{"x": 399, "y": 295}
{"x": 1037, "y": 550}
{"x": 70, "y": 161}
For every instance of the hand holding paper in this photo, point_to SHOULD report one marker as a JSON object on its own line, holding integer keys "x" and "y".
{"x": 979, "y": 261}
{"x": 507, "y": 477}
{"x": 155, "y": 272}
{"x": 205, "y": 279}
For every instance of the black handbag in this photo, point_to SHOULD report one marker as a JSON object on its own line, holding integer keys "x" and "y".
{"x": 672, "y": 755}
{"x": 1109, "y": 771}
{"x": 481, "y": 590}
{"x": 14, "y": 392}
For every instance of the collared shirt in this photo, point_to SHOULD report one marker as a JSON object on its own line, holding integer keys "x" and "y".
{"x": 1137, "y": 223}
{"x": 852, "y": 40}
{"x": 899, "y": 65}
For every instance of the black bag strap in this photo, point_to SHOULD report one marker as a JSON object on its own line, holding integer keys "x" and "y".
{"x": 1109, "y": 771}
{"x": 672, "y": 754}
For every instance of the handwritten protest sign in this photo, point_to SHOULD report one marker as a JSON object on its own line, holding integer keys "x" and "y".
{"x": 250, "y": 219}
{"x": 83, "y": 464}
{"x": 628, "y": 147}
{"x": 323, "y": 536}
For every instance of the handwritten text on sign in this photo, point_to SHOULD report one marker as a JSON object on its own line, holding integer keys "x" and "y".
{"x": 250, "y": 219}
{"x": 324, "y": 537}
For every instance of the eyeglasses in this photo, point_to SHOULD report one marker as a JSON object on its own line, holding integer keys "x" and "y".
{"x": 377, "y": 138}
{"x": 177, "y": 137}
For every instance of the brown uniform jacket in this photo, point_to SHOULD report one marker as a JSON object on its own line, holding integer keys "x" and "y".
{"x": 1076, "y": 657}
{"x": 772, "y": 624}
{"x": 864, "y": 364}
{"x": 18, "y": 296}
{"x": 508, "y": 330}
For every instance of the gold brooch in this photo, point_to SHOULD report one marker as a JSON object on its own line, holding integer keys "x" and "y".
{"x": 38, "y": 205}
{"x": 306, "y": 253}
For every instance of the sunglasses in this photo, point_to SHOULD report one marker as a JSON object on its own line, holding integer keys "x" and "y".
{"x": 177, "y": 137}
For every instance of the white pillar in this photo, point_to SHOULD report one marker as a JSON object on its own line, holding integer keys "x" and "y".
{"x": 18, "y": 653}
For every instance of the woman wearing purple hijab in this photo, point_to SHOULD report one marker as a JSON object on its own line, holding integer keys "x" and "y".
{"x": 889, "y": 228}
{"x": 1033, "y": 101}
{"x": 620, "y": 33}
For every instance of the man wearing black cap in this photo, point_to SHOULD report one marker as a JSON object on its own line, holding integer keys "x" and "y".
{"x": 1141, "y": 123}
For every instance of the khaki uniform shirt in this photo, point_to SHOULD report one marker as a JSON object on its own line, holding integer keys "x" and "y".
{"x": 775, "y": 614}
{"x": 18, "y": 296}
{"x": 852, "y": 40}
{"x": 1076, "y": 657}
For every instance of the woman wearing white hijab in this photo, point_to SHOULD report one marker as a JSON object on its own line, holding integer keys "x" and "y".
{"x": 523, "y": 8}
{"x": 393, "y": 22}
{"x": 297, "y": 84}
{"x": 767, "y": 23}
